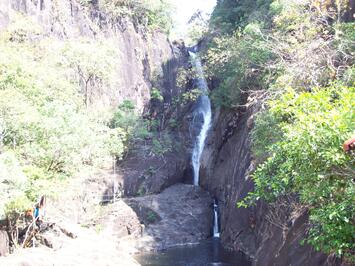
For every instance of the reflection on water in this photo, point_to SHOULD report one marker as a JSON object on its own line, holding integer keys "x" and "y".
{"x": 206, "y": 253}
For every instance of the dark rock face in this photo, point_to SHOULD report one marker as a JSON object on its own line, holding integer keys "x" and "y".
{"x": 279, "y": 244}
{"x": 224, "y": 165}
{"x": 144, "y": 174}
{"x": 4, "y": 243}
{"x": 270, "y": 234}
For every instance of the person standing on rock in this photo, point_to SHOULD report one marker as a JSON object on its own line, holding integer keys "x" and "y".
{"x": 39, "y": 211}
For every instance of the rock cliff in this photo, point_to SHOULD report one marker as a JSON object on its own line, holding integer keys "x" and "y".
{"x": 141, "y": 53}
{"x": 269, "y": 233}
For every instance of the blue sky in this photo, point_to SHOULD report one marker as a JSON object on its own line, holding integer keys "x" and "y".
{"x": 186, "y": 8}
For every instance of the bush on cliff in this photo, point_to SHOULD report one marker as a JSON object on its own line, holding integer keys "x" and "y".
{"x": 153, "y": 14}
{"x": 300, "y": 54}
{"x": 285, "y": 43}
{"x": 308, "y": 159}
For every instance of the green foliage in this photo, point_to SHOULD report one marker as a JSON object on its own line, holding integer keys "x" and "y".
{"x": 198, "y": 27}
{"x": 127, "y": 106}
{"x": 239, "y": 62}
{"x": 155, "y": 94}
{"x": 92, "y": 63}
{"x": 142, "y": 131}
{"x": 16, "y": 205}
{"x": 229, "y": 15}
{"x": 287, "y": 46}
{"x": 173, "y": 123}
{"x": 47, "y": 134}
{"x": 191, "y": 96}
{"x": 98, "y": 228}
{"x": 262, "y": 136}
{"x": 151, "y": 217}
{"x": 307, "y": 158}
{"x": 116, "y": 142}
{"x": 12, "y": 180}
{"x": 136, "y": 129}
{"x": 196, "y": 32}
{"x": 127, "y": 123}
{"x": 182, "y": 77}
{"x": 162, "y": 144}
{"x": 124, "y": 118}
{"x": 154, "y": 14}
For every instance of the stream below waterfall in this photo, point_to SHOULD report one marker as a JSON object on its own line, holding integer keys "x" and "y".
{"x": 208, "y": 252}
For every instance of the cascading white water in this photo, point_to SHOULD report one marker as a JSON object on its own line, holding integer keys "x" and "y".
{"x": 204, "y": 109}
{"x": 215, "y": 220}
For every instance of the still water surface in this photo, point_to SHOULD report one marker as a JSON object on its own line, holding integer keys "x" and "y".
{"x": 204, "y": 254}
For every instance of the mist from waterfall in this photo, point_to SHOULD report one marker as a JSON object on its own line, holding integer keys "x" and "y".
{"x": 203, "y": 110}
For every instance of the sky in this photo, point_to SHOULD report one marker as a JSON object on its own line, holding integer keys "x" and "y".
{"x": 186, "y": 8}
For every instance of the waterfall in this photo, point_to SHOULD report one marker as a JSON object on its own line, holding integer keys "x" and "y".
{"x": 203, "y": 111}
{"x": 215, "y": 220}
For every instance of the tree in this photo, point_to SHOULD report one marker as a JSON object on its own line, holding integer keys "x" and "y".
{"x": 92, "y": 62}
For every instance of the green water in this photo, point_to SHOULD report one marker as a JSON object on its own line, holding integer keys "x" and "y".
{"x": 206, "y": 253}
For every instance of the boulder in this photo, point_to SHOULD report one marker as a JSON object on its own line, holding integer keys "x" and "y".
{"x": 4, "y": 243}
{"x": 180, "y": 215}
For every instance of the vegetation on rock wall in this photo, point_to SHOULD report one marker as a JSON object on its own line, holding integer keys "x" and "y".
{"x": 153, "y": 14}
{"x": 307, "y": 158}
{"x": 47, "y": 131}
{"x": 300, "y": 55}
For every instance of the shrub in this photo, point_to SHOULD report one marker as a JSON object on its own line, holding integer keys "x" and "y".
{"x": 153, "y": 14}
{"x": 240, "y": 63}
{"x": 22, "y": 29}
{"x": 162, "y": 144}
{"x": 155, "y": 94}
{"x": 307, "y": 158}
